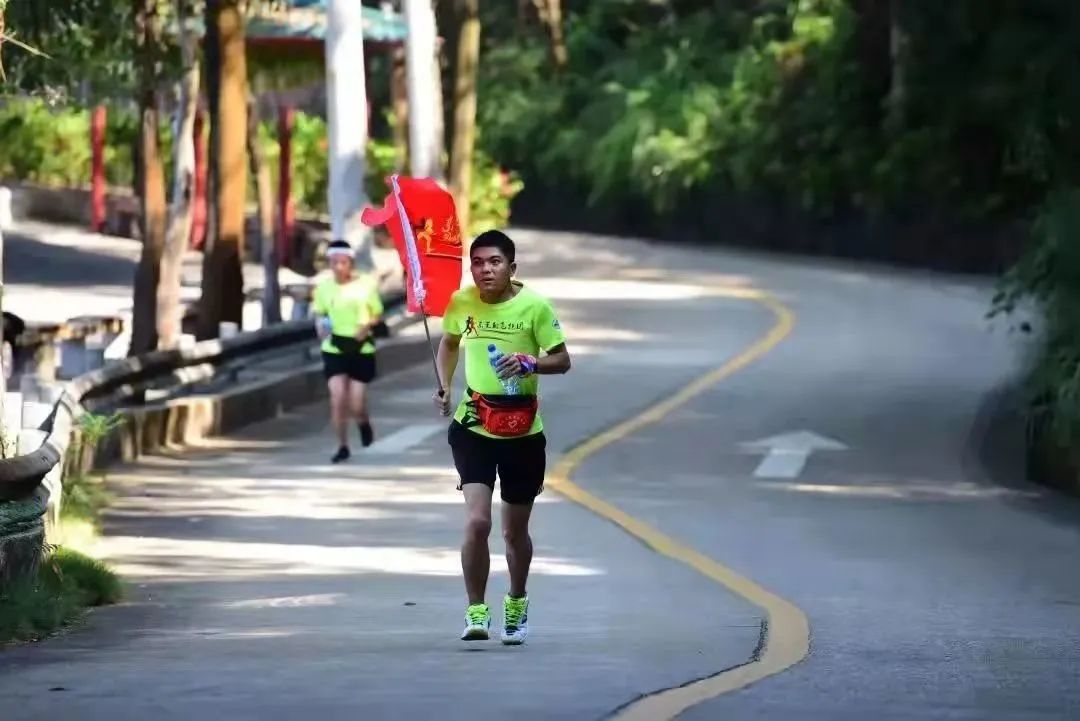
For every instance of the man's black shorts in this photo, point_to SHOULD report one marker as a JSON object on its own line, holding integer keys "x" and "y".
{"x": 358, "y": 366}
{"x": 519, "y": 462}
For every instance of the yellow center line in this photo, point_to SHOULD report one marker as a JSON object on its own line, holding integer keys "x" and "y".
{"x": 787, "y": 631}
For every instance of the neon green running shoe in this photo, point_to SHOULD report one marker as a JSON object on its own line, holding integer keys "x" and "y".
{"x": 515, "y": 620}
{"x": 477, "y": 623}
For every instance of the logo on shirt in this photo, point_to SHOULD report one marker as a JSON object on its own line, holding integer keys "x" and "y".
{"x": 497, "y": 326}
{"x": 556, "y": 324}
{"x": 505, "y": 329}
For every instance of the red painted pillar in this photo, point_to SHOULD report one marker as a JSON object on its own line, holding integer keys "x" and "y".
{"x": 199, "y": 210}
{"x": 97, "y": 169}
{"x": 286, "y": 209}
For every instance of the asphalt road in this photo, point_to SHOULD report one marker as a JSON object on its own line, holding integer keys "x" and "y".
{"x": 937, "y": 584}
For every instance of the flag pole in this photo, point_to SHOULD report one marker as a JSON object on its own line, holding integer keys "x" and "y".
{"x": 431, "y": 346}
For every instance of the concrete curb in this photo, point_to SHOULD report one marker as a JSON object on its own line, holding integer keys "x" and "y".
{"x": 184, "y": 421}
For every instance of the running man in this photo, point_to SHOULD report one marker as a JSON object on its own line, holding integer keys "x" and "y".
{"x": 496, "y": 431}
{"x": 347, "y": 307}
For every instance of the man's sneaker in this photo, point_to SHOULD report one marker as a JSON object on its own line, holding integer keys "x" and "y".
{"x": 367, "y": 434}
{"x": 341, "y": 455}
{"x": 477, "y": 623}
{"x": 515, "y": 620}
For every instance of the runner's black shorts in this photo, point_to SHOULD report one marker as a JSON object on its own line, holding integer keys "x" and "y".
{"x": 518, "y": 462}
{"x": 357, "y": 366}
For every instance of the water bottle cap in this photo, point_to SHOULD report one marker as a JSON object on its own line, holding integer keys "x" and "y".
{"x": 491, "y": 347}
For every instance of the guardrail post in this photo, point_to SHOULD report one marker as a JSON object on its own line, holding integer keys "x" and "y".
{"x": 30, "y": 439}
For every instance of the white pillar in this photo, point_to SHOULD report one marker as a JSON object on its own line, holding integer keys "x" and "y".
{"x": 347, "y": 124}
{"x": 419, "y": 68}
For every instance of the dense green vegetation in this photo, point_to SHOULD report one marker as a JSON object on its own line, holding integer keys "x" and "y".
{"x": 51, "y": 146}
{"x": 794, "y": 123}
{"x": 797, "y": 102}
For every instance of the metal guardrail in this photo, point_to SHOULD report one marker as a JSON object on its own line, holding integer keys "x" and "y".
{"x": 22, "y": 474}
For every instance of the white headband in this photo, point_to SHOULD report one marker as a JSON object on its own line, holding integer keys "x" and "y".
{"x": 331, "y": 252}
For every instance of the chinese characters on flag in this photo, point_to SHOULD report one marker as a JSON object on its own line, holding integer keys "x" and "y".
{"x": 429, "y": 244}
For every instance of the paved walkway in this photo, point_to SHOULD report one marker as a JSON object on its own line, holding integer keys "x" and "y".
{"x": 267, "y": 584}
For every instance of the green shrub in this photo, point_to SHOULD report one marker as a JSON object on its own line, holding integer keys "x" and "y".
{"x": 1047, "y": 282}
{"x": 66, "y": 584}
{"x": 52, "y": 147}
{"x": 789, "y": 101}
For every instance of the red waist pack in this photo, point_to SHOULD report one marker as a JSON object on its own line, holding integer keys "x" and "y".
{"x": 505, "y": 416}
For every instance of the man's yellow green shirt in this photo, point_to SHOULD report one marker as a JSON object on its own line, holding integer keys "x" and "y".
{"x": 526, "y": 323}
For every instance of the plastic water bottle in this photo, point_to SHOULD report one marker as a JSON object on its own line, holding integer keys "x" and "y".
{"x": 509, "y": 385}
{"x": 326, "y": 324}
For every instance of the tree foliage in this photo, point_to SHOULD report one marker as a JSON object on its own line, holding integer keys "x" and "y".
{"x": 827, "y": 110}
{"x": 89, "y": 52}
{"x": 661, "y": 102}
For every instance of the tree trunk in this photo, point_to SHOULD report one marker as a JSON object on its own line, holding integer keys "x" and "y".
{"x": 151, "y": 186}
{"x": 222, "y": 278}
{"x": 898, "y": 77}
{"x": 424, "y": 92}
{"x": 438, "y": 110}
{"x": 550, "y": 12}
{"x": 399, "y": 99}
{"x": 873, "y": 60}
{"x": 183, "y": 194}
{"x": 265, "y": 196}
{"x": 347, "y": 127}
{"x": 465, "y": 72}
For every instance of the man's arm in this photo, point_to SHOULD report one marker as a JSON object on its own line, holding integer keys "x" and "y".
{"x": 556, "y": 362}
{"x": 447, "y": 360}
{"x": 548, "y": 334}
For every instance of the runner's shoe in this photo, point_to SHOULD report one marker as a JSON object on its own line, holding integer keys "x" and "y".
{"x": 341, "y": 455}
{"x": 367, "y": 434}
{"x": 515, "y": 620}
{"x": 477, "y": 623}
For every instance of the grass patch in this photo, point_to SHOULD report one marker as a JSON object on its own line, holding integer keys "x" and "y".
{"x": 68, "y": 582}
{"x": 66, "y": 585}
{"x": 83, "y": 499}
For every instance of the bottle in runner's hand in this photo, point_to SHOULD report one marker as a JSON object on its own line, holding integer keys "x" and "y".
{"x": 510, "y": 386}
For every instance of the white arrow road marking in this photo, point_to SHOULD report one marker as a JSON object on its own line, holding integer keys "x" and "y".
{"x": 405, "y": 439}
{"x": 787, "y": 453}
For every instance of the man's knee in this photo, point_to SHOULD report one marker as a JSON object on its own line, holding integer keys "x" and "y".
{"x": 515, "y": 535}
{"x": 478, "y": 527}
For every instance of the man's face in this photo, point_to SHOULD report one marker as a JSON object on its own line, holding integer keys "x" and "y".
{"x": 341, "y": 265}
{"x": 491, "y": 270}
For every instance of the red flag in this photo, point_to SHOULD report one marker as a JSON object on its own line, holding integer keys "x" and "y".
{"x": 433, "y": 220}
